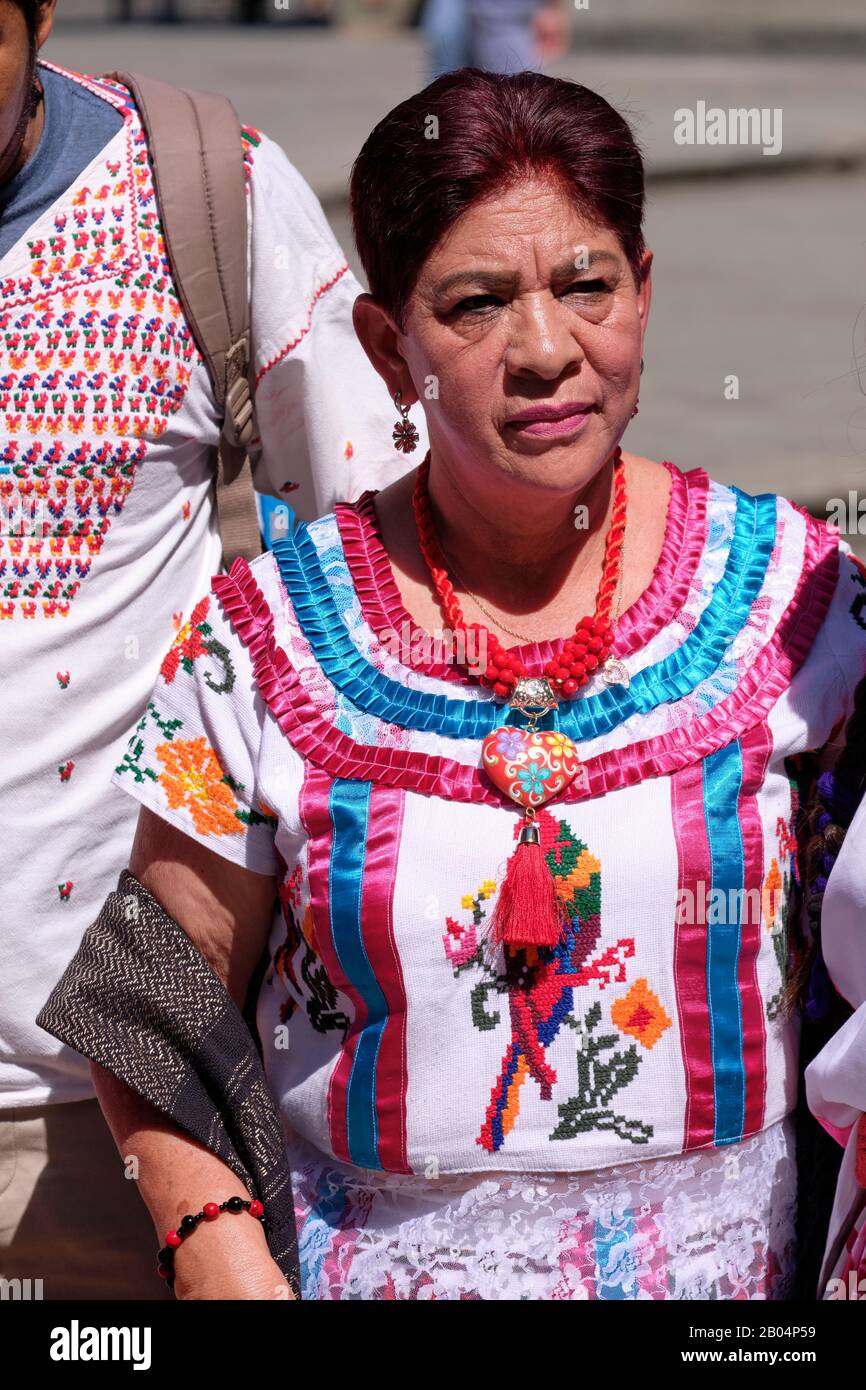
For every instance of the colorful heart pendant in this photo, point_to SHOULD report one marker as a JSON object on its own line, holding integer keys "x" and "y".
{"x": 529, "y": 765}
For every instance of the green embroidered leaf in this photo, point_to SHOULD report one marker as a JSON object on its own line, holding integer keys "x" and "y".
{"x": 221, "y": 652}
{"x": 612, "y": 1075}
{"x": 475, "y": 962}
{"x": 635, "y": 1131}
{"x": 131, "y": 764}
{"x": 598, "y": 1082}
{"x": 593, "y": 1016}
{"x": 256, "y": 818}
{"x": 168, "y": 726}
{"x": 573, "y": 1122}
{"x": 570, "y": 1116}
{"x": 478, "y": 1000}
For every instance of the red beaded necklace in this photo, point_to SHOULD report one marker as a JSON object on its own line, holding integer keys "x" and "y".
{"x": 531, "y": 765}
{"x": 581, "y": 654}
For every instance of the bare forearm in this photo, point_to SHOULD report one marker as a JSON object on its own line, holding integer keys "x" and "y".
{"x": 227, "y": 1258}
{"x": 173, "y": 1172}
{"x": 226, "y": 912}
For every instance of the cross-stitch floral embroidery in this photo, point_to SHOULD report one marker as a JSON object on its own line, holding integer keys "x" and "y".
{"x": 776, "y": 898}
{"x": 297, "y": 963}
{"x": 301, "y": 971}
{"x": 194, "y": 779}
{"x": 191, "y": 777}
{"x": 196, "y": 639}
{"x": 95, "y": 359}
{"x": 539, "y": 985}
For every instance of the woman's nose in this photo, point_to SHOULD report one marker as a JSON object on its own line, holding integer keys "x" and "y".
{"x": 543, "y": 341}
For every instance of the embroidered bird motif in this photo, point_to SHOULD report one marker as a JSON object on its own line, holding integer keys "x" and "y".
{"x": 539, "y": 982}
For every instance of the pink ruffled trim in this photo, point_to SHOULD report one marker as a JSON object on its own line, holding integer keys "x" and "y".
{"x": 382, "y": 605}
{"x": 431, "y": 774}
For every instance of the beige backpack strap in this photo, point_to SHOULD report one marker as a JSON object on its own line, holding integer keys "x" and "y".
{"x": 236, "y": 512}
{"x": 195, "y": 150}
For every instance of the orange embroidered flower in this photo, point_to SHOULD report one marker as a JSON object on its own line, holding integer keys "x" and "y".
{"x": 640, "y": 1013}
{"x": 193, "y": 779}
{"x": 771, "y": 897}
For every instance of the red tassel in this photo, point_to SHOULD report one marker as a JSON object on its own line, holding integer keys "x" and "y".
{"x": 528, "y": 911}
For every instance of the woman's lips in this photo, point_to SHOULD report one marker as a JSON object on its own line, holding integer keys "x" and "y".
{"x": 552, "y": 421}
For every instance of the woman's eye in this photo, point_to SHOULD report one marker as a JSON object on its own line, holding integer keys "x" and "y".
{"x": 481, "y": 303}
{"x": 588, "y": 287}
{"x": 476, "y": 302}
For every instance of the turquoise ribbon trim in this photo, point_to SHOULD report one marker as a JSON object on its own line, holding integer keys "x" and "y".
{"x": 670, "y": 679}
{"x": 722, "y": 783}
{"x": 349, "y": 806}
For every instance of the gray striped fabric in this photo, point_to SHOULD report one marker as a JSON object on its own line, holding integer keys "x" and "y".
{"x": 140, "y": 1000}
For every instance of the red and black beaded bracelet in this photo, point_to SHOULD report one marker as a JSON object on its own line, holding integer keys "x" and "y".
{"x": 185, "y": 1227}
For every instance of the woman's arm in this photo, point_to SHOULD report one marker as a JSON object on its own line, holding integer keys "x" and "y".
{"x": 226, "y": 911}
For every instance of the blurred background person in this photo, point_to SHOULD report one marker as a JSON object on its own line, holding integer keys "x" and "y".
{"x": 496, "y": 35}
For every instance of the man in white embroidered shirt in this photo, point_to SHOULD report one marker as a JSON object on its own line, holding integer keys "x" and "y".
{"x": 108, "y": 418}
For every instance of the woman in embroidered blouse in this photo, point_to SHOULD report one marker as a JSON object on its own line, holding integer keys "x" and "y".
{"x": 469, "y": 1112}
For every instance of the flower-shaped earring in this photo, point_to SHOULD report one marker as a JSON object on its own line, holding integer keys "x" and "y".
{"x": 405, "y": 435}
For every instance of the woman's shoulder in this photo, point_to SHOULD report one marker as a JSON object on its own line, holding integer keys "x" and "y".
{"x": 287, "y": 607}
{"x": 306, "y": 569}
{"x": 812, "y": 557}
{"x": 786, "y": 507}
{"x": 815, "y": 541}
{"x": 785, "y": 588}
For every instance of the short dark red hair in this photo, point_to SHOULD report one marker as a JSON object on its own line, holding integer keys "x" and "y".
{"x": 491, "y": 130}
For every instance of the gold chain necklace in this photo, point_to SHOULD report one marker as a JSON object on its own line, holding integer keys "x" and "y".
{"x": 614, "y": 672}
{"x": 521, "y": 636}
{"x": 484, "y": 609}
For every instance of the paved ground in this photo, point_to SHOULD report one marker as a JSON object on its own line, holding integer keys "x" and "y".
{"x": 760, "y": 271}
{"x": 319, "y": 94}
{"x": 668, "y": 24}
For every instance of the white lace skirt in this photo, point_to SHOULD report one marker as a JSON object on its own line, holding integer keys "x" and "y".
{"x": 715, "y": 1223}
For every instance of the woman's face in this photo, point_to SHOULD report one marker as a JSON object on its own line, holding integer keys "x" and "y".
{"x": 523, "y": 338}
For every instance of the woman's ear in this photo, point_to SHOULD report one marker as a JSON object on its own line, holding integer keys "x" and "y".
{"x": 645, "y": 292}
{"x": 380, "y": 338}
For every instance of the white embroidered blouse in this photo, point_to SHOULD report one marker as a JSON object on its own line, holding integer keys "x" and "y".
{"x": 606, "y": 1118}
{"x": 107, "y": 526}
